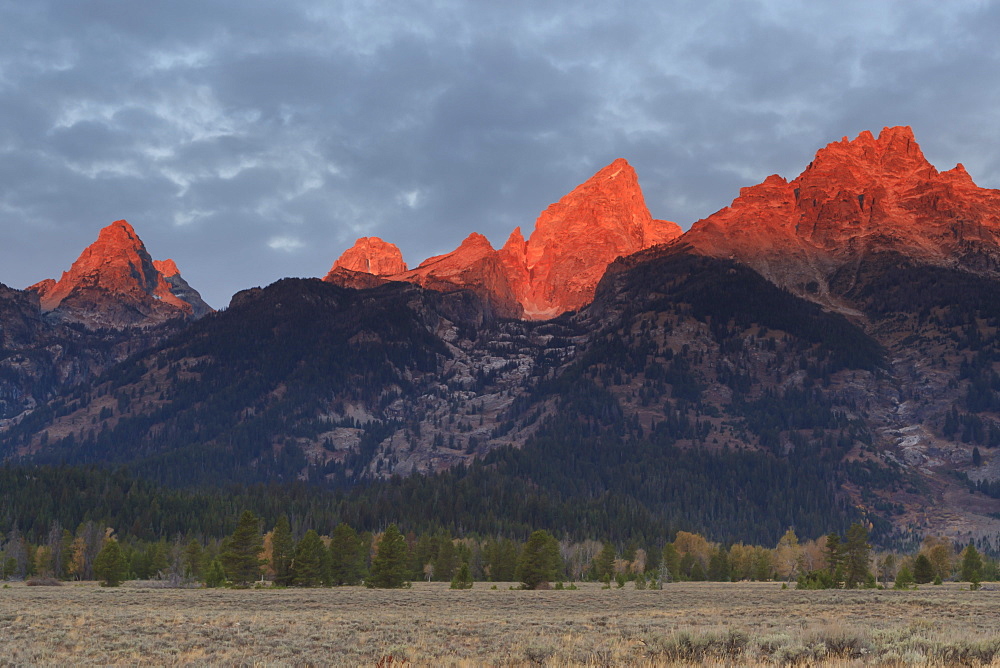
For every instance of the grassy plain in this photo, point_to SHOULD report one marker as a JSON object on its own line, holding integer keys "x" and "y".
{"x": 703, "y": 623}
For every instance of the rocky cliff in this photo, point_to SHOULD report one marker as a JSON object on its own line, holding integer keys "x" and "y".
{"x": 555, "y": 270}
{"x": 115, "y": 283}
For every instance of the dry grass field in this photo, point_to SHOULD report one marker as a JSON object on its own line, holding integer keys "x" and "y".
{"x": 699, "y": 623}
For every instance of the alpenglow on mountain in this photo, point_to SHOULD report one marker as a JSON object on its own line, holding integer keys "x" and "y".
{"x": 823, "y": 350}
{"x": 115, "y": 283}
{"x": 555, "y": 270}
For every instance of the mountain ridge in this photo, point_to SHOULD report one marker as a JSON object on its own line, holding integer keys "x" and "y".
{"x": 844, "y": 323}
{"x": 856, "y": 198}
{"x": 553, "y": 271}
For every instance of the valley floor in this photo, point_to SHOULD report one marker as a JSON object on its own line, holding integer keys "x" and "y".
{"x": 745, "y": 623}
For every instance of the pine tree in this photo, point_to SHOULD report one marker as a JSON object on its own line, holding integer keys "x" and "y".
{"x": 972, "y": 565}
{"x": 389, "y": 568}
{"x": 346, "y": 559}
{"x": 923, "y": 570}
{"x": 282, "y": 549}
{"x": 216, "y": 575}
{"x": 193, "y": 556}
{"x": 904, "y": 579}
{"x": 672, "y": 562}
{"x": 241, "y": 551}
{"x": 604, "y": 562}
{"x": 833, "y": 552}
{"x": 463, "y": 578}
{"x": 539, "y": 560}
{"x": 718, "y": 566}
{"x": 307, "y": 566}
{"x": 857, "y": 553}
{"x": 109, "y": 566}
{"x": 444, "y": 563}
{"x": 501, "y": 560}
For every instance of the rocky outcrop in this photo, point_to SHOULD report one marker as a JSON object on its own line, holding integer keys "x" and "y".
{"x": 371, "y": 255}
{"x": 115, "y": 283}
{"x": 575, "y": 239}
{"x": 554, "y": 271}
{"x": 475, "y": 265}
{"x": 856, "y": 199}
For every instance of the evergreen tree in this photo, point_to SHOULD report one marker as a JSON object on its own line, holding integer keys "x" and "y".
{"x": 539, "y": 561}
{"x": 698, "y": 572}
{"x": 216, "y": 575}
{"x": 463, "y": 578}
{"x": 444, "y": 563}
{"x": 718, "y": 566}
{"x": 241, "y": 551}
{"x": 193, "y": 557}
{"x": 604, "y": 562}
{"x": 325, "y": 565}
{"x": 346, "y": 559}
{"x": 972, "y": 565}
{"x": 672, "y": 562}
{"x": 833, "y": 553}
{"x": 282, "y": 549}
{"x": 307, "y": 565}
{"x": 389, "y": 568}
{"x": 857, "y": 553}
{"x": 501, "y": 559}
{"x": 923, "y": 570}
{"x": 904, "y": 579}
{"x": 109, "y": 566}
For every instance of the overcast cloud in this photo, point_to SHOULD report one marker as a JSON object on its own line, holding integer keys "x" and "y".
{"x": 249, "y": 141}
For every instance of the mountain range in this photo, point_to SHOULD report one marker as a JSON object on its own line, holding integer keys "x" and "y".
{"x": 819, "y": 351}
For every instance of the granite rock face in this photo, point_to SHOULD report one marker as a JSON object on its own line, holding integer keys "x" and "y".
{"x": 857, "y": 199}
{"x": 553, "y": 271}
{"x": 116, "y": 284}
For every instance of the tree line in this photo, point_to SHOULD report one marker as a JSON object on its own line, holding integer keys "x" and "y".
{"x": 278, "y": 556}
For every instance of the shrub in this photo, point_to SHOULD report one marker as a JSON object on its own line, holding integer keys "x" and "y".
{"x": 686, "y": 647}
{"x": 820, "y": 579}
{"x": 43, "y": 582}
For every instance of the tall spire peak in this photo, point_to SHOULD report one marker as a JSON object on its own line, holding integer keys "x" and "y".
{"x": 115, "y": 283}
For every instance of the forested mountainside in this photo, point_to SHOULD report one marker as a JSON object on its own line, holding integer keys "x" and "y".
{"x": 691, "y": 394}
{"x": 41, "y": 357}
{"x": 822, "y": 351}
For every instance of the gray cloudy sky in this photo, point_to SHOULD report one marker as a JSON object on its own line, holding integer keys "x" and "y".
{"x": 255, "y": 140}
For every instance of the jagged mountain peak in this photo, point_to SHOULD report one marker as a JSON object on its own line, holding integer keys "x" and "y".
{"x": 895, "y": 154}
{"x": 166, "y": 267}
{"x": 856, "y": 198}
{"x": 558, "y": 267}
{"x": 371, "y": 255}
{"x": 115, "y": 283}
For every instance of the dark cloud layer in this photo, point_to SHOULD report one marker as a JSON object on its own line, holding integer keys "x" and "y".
{"x": 251, "y": 141}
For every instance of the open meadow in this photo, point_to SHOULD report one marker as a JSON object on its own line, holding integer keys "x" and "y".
{"x": 744, "y": 623}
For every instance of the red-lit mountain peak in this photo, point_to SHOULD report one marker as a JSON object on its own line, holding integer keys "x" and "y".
{"x": 371, "y": 255}
{"x": 576, "y": 238}
{"x": 856, "y": 198}
{"x": 559, "y": 266}
{"x": 116, "y": 283}
{"x": 166, "y": 267}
